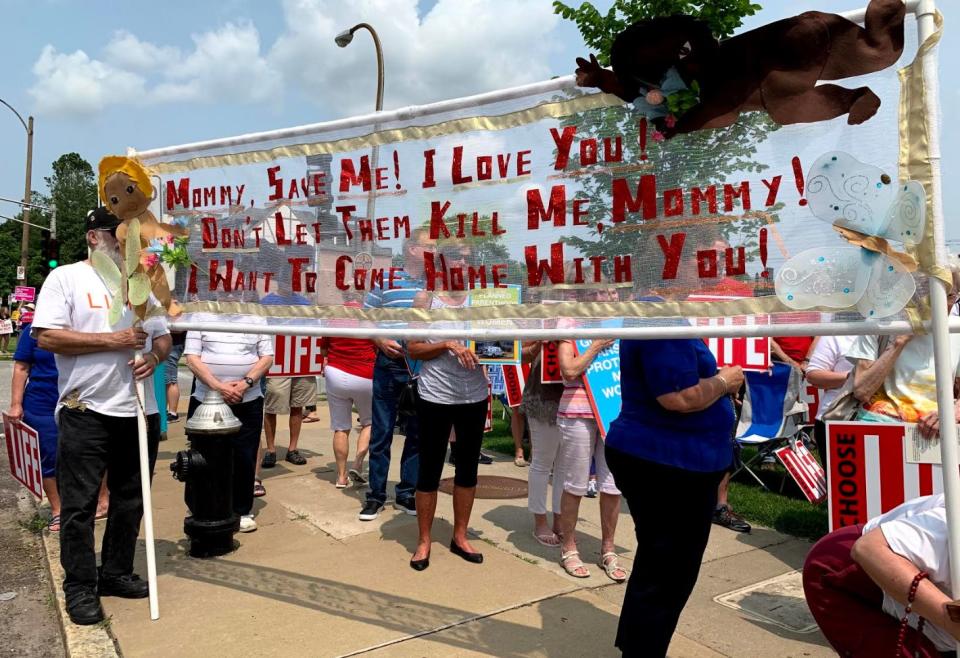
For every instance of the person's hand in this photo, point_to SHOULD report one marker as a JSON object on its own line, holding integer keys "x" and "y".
{"x": 929, "y": 425}
{"x": 467, "y": 358}
{"x": 15, "y": 412}
{"x": 231, "y": 391}
{"x": 902, "y": 340}
{"x": 601, "y": 344}
{"x": 733, "y": 375}
{"x": 389, "y": 347}
{"x": 144, "y": 367}
{"x": 588, "y": 73}
{"x": 133, "y": 338}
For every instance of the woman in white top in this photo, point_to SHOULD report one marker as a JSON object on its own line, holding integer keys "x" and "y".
{"x": 828, "y": 370}
{"x": 233, "y": 364}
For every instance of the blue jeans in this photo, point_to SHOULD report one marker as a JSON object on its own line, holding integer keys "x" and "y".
{"x": 389, "y": 378}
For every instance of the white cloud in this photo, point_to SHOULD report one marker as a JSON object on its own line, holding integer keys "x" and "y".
{"x": 460, "y": 47}
{"x": 75, "y": 84}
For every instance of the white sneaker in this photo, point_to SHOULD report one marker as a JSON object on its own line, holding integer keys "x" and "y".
{"x": 247, "y": 524}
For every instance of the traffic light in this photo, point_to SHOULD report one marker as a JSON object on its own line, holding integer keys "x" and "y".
{"x": 49, "y": 252}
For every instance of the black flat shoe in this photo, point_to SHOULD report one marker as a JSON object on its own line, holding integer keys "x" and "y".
{"x": 125, "y": 587}
{"x": 476, "y": 558}
{"x": 83, "y": 607}
{"x": 420, "y": 565}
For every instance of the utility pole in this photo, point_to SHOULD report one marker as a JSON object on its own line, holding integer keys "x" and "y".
{"x": 25, "y": 236}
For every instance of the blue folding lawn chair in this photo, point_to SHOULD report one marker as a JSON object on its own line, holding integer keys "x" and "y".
{"x": 771, "y": 415}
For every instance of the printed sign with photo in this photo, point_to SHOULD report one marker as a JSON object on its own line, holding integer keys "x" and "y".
{"x": 491, "y": 352}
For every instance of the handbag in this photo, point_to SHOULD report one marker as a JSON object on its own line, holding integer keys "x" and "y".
{"x": 846, "y": 406}
{"x": 409, "y": 399}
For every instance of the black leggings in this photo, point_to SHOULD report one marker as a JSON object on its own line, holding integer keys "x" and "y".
{"x": 435, "y": 421}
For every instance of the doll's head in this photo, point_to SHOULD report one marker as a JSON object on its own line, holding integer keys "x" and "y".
{"x": 124, "y": 186}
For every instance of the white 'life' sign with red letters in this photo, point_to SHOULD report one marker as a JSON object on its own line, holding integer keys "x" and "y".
{"x": 296, "y": 356}
{"x": 23, "y": 451}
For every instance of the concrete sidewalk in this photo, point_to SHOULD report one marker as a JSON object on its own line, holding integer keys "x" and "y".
{"x": 315, "y": 581}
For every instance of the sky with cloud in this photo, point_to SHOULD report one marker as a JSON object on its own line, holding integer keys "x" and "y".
{"x": 99, "y": 77}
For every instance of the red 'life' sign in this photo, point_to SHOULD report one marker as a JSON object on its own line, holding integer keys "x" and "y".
{"x": 23, "y": 451}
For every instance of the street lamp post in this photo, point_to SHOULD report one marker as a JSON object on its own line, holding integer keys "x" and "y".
{"x": 25, "y": 236}
{"x": 343, "y": 40}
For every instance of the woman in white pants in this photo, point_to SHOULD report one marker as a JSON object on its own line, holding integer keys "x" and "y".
{"x": 540, "y": 403}
{"x": 579, "y": 443}
{"x": 349, "y": 377}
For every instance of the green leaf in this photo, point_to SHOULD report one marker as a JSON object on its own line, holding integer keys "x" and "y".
{"x": 139, "y": 288}
{"x": 107, "y": 270}
{"x": 133, "y": 246}
{"x": 116, "y": 309}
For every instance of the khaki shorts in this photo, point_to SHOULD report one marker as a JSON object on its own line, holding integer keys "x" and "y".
{"x": 284, "y": 393}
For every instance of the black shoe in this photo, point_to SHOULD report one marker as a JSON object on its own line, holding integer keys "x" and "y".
{"x": 130, "y": 586}
{"x": 420, "y": 565}
{"x": 407, "y": 506}
{"x": 269, "y": 460}
{"x": 84, "y": 609}
{"x": 370, "y": 511}
{"x": 485, "y": 459}
{"x": 172, "y": 418}
{"x": 726, "y": 517}
{"x": 476, "y": 558}
{"x": 294, "y": 457}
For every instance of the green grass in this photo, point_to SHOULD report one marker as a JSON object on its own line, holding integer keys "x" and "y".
{"x": 35, "y": 524}
{"x": 787, "y": 512}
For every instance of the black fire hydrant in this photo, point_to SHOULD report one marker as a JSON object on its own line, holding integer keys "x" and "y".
{"x": 207, "y": 470}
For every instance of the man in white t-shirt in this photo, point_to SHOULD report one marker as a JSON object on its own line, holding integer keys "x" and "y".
{"x": 97, "y": 421}
{"x": 857, "y": 581}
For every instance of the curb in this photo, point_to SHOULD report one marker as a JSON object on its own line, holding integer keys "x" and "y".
{"x": 79, "y": 641}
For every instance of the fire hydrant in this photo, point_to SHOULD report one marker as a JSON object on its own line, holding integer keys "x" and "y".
{"x": 207, "y": 470}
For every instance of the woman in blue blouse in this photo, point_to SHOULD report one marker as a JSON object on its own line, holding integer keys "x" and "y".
{"x": 33, "y": 399}
{"x": 668, "y": 451}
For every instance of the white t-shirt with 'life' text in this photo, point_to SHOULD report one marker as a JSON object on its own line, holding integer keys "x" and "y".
{"x": 74, "y": 297}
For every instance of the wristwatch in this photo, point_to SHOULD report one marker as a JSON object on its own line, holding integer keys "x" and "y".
{"x": 249, "y": 381}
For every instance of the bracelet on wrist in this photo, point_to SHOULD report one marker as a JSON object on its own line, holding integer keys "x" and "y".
{"x": 726, "y": 384}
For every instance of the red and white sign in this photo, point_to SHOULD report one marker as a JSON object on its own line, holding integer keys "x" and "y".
{"x": 488, "y": 423}
{"x": 868, "y": 472}
{"x": 23, "y": 451}
{"x": 24, "y": 293}
{"x": 810, "y": 395}
{"x": 805, "y": 470}
{"x": 296, "y": 356}
{"x": 750, "y": 353}
{"x": 514, "y": 379}
{"x": 550, "y": 363}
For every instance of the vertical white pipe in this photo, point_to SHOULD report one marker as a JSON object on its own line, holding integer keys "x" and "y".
{"x": 147, "y": 499}
{"x": 943, "y": 359}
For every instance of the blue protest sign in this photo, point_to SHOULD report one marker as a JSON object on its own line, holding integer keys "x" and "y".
{"x": 602, "y": 381}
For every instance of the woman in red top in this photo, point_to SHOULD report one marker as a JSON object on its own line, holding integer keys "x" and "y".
{"x": 348, "y": 370}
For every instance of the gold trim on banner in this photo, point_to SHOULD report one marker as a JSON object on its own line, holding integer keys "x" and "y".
{"x": 666, "y": 309}
{"x": 915, "y": 147}
{"x": 380, "y": 138}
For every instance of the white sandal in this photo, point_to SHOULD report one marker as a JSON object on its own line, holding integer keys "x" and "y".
{"x": 609, "y": 567}
{"x": 575, "y": 564}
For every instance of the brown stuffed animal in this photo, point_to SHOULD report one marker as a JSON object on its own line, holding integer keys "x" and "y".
{"x": 126, "y": 191}
{"x": 773, "y": 68}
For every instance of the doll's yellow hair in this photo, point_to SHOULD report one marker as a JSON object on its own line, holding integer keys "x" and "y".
{"x": 113, "y": 164}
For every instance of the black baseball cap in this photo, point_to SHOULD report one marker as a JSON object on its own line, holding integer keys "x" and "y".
{"x": 101, "y": 218}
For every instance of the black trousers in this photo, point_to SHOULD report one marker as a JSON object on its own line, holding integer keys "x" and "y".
{"x": 667, "y": 561}
{"x": 91, "y": 443}
{"x": 435, "y": 421}
{"x": 246, "y": 443}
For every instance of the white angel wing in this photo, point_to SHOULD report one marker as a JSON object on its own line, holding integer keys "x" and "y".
{"x": 844, "y": 191}
{"x": 835, "y": 277}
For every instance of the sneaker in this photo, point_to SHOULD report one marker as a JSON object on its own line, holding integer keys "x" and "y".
{"x": 247, "y": 524}
{"x": 83, "y": 606}
{"x": 592, "y": 489}
{"x": 294, "y": 457}
{"x": 371, "y": 510}
{"x": 130, "y": 586}
{"x": 269, "y": 460}
{"x": 172, "y": 418}
{"x": 485, "y": 459}
{"x": 726, "y": 517}
{"x": 406, "y": 505}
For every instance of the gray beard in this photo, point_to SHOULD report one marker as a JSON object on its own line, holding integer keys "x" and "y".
{"x": 113, "y": 253}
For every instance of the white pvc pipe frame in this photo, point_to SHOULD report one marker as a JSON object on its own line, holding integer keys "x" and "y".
{"x": 940, "y": 326}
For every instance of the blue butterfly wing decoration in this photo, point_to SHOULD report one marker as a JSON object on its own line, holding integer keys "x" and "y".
{"x": 848, "y": 193}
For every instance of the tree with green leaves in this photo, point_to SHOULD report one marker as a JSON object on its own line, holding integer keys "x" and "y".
{"x": 72, "y": 190}
{"x": 693, "y": 160}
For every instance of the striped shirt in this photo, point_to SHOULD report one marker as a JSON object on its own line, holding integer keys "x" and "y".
{"x": 400, "y": 295}
{"x": 229, "y": 356}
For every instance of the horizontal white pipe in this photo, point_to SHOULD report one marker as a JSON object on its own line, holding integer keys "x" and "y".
{"x": 856, "y": 15}
{"x": 402, "y": 114}
{"x": 500, "y": 333}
